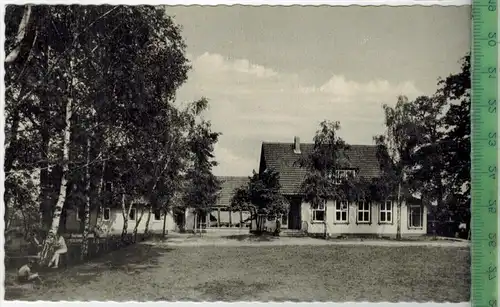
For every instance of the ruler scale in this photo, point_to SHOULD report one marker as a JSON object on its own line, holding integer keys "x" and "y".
{"x": 484, "y": 156}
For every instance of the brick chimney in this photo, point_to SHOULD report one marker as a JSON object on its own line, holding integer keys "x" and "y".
{"x": 296, "y": 145}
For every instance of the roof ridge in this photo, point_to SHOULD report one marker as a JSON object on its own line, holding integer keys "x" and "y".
{"x": 309, "y": 143}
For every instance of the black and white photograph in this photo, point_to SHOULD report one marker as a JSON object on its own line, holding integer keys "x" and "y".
{"x": 237, "y": 153}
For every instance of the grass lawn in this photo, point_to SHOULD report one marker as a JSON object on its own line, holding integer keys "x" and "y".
{"x": 262, "y": 273}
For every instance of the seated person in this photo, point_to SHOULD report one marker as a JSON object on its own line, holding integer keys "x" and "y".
{"x": 61, "y": 249}
{"x": 24, "y": 275}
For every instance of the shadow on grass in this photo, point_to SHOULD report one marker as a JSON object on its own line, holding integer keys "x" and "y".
{"x": 131, "y": 260}
{"x": 252, "y": 238}
{"x": 232, "y": 290}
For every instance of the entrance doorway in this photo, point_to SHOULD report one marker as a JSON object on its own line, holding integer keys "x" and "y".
{"x": 294, "y": 213}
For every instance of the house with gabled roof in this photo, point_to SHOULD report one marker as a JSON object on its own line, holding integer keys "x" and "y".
{"x": 338, "y": 218}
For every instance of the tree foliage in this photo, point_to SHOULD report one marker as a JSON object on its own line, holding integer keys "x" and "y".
{"x": 262, "y": 195}
{"x": 202, "y": 185}
{"x": 456, "y": 90}
{"x": 395, "y": 152}
{"x": 428, "y": 148}
{"x": 106, "y": 75}
{"x": 330, "y": 155}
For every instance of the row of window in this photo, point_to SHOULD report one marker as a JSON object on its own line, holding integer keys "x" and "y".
{"x": 341, "y": 214}
{"x": 106, "y": 214}
{"x": 224, "y": 217}
{"x": 364, "y": 213}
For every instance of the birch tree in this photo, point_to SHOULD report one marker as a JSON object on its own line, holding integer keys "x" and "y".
{"x": 202, "y": 186}
{"x": 51, "y": 238}
{"x": 395, "y": 151}
{"x": 322, "y": 182}
{"x": 137, "y": 65}
{"x": 328, "y": 156}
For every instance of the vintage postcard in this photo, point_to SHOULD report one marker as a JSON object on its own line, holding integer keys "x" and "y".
{"x": 237, "y": 153}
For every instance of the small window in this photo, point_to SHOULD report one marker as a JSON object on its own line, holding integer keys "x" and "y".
{"x": 318, "y": 212}
{"x": 131, "y": 215}
{"x": 106, "y": 214}
{"x": 341, "y": 175}
{"x": 386, "y": 212}
{"x": 341, "y": 212}
{"x": 363, "y": 212}
{"x": 415, "y": 216}
{"x": 157, "y": 215}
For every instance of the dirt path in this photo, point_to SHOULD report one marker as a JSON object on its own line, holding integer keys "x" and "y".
{"x": 283, "y": 241}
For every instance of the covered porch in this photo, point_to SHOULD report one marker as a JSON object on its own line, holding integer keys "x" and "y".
{"x": 291, "y": 221}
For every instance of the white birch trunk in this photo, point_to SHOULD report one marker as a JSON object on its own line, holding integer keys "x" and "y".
{"x": 86, "y": 214}
{"x": 398, "y": 214}
{"x": 126, "y": 213}
{"x": 99, "y": 194}
{"x": 146, "y": 230}
{"x": 21, "y": 32}
{"x": 138, "y": 221}
{"x": 97, "y": 230}
{"x": 148, "y": 220}
{"x": 51, "y": 236}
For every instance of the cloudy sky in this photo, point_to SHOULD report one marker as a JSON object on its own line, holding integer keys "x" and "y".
{"x": 272, "y": 73}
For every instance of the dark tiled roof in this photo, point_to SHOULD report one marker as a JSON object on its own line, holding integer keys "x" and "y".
{"x": 281, "y": 157}
{"x": 228, "y": 184}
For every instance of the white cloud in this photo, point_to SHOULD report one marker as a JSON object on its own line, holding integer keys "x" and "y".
{"x": 234, "y": 164}
{"x": 250, "y": 103}
{"x": 340, "y": 88}
{"x": 216, "y": 63}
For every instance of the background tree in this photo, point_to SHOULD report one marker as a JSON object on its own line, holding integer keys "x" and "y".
{"x": 456, "y": 90}
{"x": 202, "y": 186}
{"x": 426, "y": 174}
{"x": 261, "y": 197}
{"x": 395, "y": 153}
{"x": 323, "y": 182}
{"x": 426, "y": 148}
{"x": 327, "y": 157}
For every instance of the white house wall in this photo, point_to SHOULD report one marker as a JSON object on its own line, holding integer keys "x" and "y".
{"x": 352, "y": 227}
{"x": 114, "y": 225}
